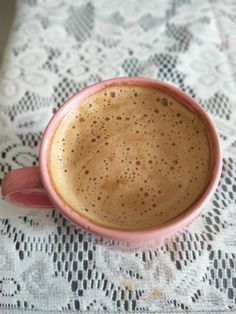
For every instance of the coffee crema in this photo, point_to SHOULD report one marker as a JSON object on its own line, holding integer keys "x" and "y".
{"x": 130, "y": 157}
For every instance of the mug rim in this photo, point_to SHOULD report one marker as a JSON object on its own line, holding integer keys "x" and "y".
{"x": 160, "y": 231}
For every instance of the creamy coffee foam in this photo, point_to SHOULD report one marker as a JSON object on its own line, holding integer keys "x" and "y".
{"x": 130, "y": 157}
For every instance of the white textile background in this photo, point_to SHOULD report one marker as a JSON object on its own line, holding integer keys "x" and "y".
{"x": 58, "y": 47}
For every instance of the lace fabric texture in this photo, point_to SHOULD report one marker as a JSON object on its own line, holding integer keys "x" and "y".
{"x": 55, "y": 49}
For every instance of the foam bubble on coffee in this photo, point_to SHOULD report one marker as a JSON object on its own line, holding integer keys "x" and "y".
{"x": 130, "y": 157}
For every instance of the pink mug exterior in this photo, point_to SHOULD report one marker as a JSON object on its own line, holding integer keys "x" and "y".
{"x": 32, "y": 187}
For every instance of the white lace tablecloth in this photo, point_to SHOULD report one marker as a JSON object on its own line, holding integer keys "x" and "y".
{"x": 58, "y": 47}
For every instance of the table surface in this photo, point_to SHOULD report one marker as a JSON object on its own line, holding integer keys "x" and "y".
{"x": 55, "y": 49}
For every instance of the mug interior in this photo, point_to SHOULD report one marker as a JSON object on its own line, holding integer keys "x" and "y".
{"x": 165, "y": 229}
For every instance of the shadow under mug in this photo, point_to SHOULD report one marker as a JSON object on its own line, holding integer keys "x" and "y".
{"x": 32, "y": 187}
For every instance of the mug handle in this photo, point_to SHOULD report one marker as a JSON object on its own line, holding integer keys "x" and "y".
{"x": 23, "y": 187}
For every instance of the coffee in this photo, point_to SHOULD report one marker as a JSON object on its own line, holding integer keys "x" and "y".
{"x": 130, "y": 157}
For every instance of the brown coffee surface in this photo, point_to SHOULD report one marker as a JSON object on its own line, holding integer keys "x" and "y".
{"x": 130, "y": 157}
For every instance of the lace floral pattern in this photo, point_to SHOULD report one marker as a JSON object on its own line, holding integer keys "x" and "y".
{"x": 58, "y": 47}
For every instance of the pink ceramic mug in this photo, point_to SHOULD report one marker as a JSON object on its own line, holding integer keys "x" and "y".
{"x": 31, "y": 187}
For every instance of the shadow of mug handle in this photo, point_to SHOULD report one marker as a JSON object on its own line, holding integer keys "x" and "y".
{"x": 23, "y": 187}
